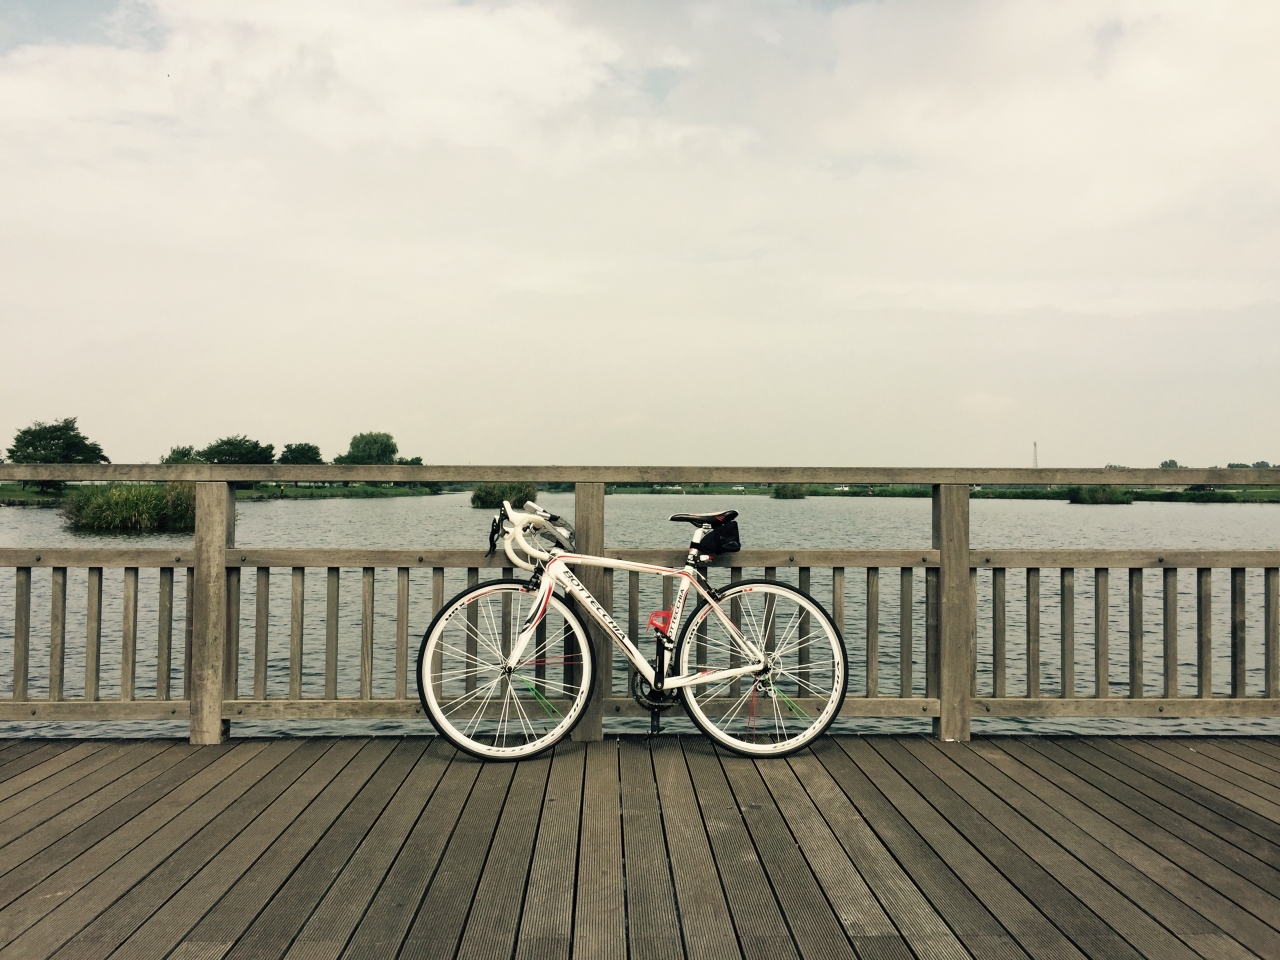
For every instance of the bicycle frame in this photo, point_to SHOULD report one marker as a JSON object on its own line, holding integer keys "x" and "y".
{"x": 555, "y": 570}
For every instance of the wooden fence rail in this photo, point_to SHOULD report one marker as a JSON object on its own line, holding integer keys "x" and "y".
{"x": 958, "y": 582}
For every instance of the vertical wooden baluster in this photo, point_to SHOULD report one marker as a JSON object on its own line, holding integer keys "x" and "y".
{"x": 261, "y": 629}
{"x": 164, "y": 635}
{"x": 1067, "y": 610}
{"x": 803, "y": 672}
{"x": 932, "y": 631}
{"x": 973, "y": 631}
{"x": 231, "y": 651}
{"x": 1170, "y": 599}
{"x": 129, "y": 634}
{"x": 1271, "y": 629}
{"x": 1101, "y": 632}
{"x": 21, "y": 631}
{"x": 906, "y": 652}
{"x": 837, "y": 598}
{"x": 999, "y": 624}
{"x": 295, "y": 633}
{"x": 333, "y": 595}
{"x": 473, "y": 626}
{"x": 506, "y": 615}
{"x": 366, "y": 634}
{"x": 188, "y": 631}
{"x": 540, "y": 666}
{"x": 93, "y": 635}
{"x": 58, "y": 633}
{"x": 1204, "y": 632}
{"x": 1237, "y": 632}
{"x": 1033, "y": 632}
{"x": 873, "y": 631}
{"x": 1135, "y": 634}
{"x": 402, "y": 633}
{"x": 437, "y": 603}
{"x": 633, "y": 620}
{"x": 770, "y": 611}
{"x": 606, "y": 643}
{"x": 735, "y": 616}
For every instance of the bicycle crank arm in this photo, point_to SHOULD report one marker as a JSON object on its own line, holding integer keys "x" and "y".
{"x": 710, "y": 676}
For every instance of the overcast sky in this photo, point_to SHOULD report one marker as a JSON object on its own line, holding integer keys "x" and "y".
{"x": 896, "y": 233}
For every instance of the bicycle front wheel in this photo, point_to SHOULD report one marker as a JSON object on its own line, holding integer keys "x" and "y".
{"x": 480, "y": 705}
{"x": 798, "y": 692}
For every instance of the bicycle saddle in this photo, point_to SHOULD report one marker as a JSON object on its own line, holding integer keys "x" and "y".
{"x": 715, "y": 519}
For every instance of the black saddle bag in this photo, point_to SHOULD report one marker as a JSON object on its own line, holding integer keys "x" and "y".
{"x": 721, "y": 539}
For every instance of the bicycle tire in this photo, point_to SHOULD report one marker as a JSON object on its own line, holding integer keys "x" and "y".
{"x": 453, "y": 673}
{"x": 815, "y": 664}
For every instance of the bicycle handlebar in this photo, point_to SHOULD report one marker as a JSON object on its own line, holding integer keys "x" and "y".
{"x": 519, "y": 520}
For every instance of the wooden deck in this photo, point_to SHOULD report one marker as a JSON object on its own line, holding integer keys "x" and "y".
{"x": 877, "y": 847}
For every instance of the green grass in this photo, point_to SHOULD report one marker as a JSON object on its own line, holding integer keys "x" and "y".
{"x": 131, "y": 508}
{"x": 489, "y": 496}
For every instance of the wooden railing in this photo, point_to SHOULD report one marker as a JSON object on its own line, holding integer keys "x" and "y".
{"x": 226, "y": 676}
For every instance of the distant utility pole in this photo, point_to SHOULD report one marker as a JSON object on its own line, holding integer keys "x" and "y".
{"x": 1035, "y": 454}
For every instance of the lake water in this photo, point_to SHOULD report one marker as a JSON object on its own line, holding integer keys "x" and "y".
{"x": 640, "y": 521}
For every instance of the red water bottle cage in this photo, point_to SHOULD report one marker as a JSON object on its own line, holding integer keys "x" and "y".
{"x": 659, "y": 620}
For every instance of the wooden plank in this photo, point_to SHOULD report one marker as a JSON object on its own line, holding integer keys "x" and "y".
{"x": 88, "y": 557}
{"x": 111, "y": 753}
{"x": 1041, "y": 888}
{"x": 706, "y": 925}
{"x": 271, "y": 932}
{"x": 1101, "y": 633}
{"x": 1135, "y": 634}
{"x": 296, "y": 614}
{"x": 95, "y": 710}
{"x": 1239, "y": 653}
{"x": 57, "y": 632}
{"x": 93, "y": 634}
{"x": 317, "y": 709}
{"x": 1069, "y": 823}
{"x": 1033, "y": 632}
{"x": 1150, "y": 707}
{"x": 546, "y": 928}
{"x": 815, "y": 927}
{"x": 906, "y": 617}
{"x": 164, "y": 636}
{"x": 333, "y": 588}
{"x": 402, "y": 632}
{"x": 762, "y": 929}
{"x": 28, "y": 759}
{"x": 366, "y": 633}
{"x": 999, "y": 626}
{"x": 1165, "y": 859}
{"x": 49, "y": 766}
{"x": 652, "y": 916}
{"x": 1252, "y": 748}
{"x": 261, "y": 783}
{"x": 971, "y": 922}
{"x": 21, "y": 631}
{"x": 1140, "y": 931}
{"x": 261, "y": 631}
{"x": 335, "y": 918}
{"x": 1271, "y": 632}
{"x": 215, "y": 531}
{"x": 1067, "y": 630}
{"x": 499, "y": 900}
{"x": 1117, "y": 559}
{"x": 382, "y": 929}
{"x": 53, "y": 900}
{"x": 1170, "y": 623}
{"x": 1150, "y": 823}
{"x": 600, "y": 912}
{"x": 1265, "y": 797}
{"x": 867, "y": 876}
{"x": 231, "y": 649}
{"x": 1204, "y": 632}
{"x": 873, "y": 628}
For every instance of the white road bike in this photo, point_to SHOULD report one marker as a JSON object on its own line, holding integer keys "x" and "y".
{"x": 505, "y": 670}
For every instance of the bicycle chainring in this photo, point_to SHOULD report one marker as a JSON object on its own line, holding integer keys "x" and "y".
{"x": 648, "y": 697}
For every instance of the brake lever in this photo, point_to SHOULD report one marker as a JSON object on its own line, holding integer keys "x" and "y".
{"x": 495, "y": 529}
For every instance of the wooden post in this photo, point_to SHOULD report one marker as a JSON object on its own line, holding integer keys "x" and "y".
{"x": 1170, "y": 598}
{"x": 1204, "y": 632}
{"x": 589, "y": 519}
{"x": 955, "y": 638}
{"x": 215, "y": 531}
{"x": 1237, "y": 632}
{"x": 1067, "y": 619}
{"x": 1135, "y": 633}
{"x": 1101, "y": 633}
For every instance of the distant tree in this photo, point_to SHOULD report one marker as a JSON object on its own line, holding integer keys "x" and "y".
{"x": 300, "y": 453}
{"x": 1262, "y": 465}
{"x": 238, "y": 449}
{"x": 57, "y": 442}
{"x": 1169, "y": 464}
{"x": 1237, "y": 466}
{"x": 177, "y": 455}
{"x": 409, "y": 462}
{"x": 368, "y": 449}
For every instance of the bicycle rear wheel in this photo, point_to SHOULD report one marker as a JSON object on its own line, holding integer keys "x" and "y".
{"x": 798, "y": 693}
{"x": 479, "y": 705}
